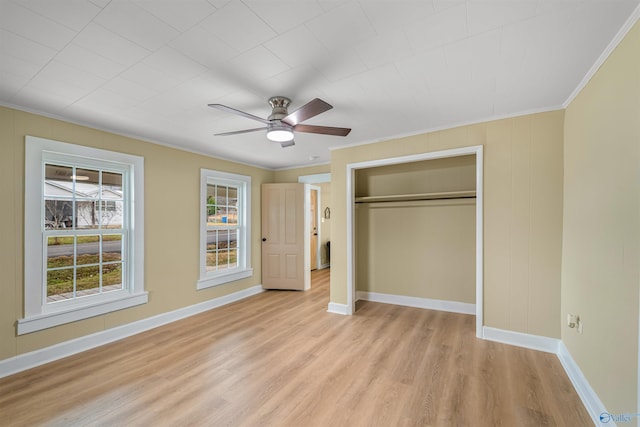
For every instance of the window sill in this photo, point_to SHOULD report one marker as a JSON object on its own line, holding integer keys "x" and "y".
{"x": 223, "y": 278}
{"x": 49, "y": 320}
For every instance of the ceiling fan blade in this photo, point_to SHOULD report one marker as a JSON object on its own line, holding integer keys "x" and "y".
{"x": 324, "y": 130}
{"x": 238, "y": 112}
{"x": 286, "y": 144}
{"x": 237, "y": 132}
{"x": 308, "y": 110}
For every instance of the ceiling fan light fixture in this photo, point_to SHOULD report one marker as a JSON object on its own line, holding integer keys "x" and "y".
{"x": 279, "y": 133}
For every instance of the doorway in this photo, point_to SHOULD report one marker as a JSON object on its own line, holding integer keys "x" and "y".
{"x": 314, "y": 227}
{"x": 320, "y": 184}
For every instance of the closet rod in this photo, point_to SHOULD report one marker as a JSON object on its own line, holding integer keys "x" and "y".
{"x": 417, "y": 196}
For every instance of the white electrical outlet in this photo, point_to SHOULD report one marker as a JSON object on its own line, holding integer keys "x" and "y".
{"x": 579, "y": 324}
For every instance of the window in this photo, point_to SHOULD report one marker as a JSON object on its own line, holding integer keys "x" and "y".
{"x": 83, "y": 256}
{"x": 225, "y": 250}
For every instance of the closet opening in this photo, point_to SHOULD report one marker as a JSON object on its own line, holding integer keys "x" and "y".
{"x": 415, "y": 231}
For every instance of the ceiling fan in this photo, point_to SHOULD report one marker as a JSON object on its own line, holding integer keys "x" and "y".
{"x": 281, "y": 124}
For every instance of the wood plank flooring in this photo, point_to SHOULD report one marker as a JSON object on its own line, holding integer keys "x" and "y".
{"x": 279, "y": 359}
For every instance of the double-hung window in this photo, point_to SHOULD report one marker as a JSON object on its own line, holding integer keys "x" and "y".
{"x": 83, "y": 254}
{"x": 225, "y": 217}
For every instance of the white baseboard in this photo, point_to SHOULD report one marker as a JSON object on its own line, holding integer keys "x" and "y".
{"x": 431, "y": 304}
{"x": 533, "y": 342}
{"x": 336, "y": 308}
{"x": 590, "y": 399}
{"x": 49, "y": 354}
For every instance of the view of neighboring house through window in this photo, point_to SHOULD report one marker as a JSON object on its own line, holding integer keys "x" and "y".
{"x": 83, "y": 223}
{"x": 225, "y": 252}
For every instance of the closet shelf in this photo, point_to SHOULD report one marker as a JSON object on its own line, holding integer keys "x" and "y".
{"x": 417, "y": 196}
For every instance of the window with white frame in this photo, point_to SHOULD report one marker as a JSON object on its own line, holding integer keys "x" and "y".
{"x": 83, "y": 255}
{"x": 225, "y": 219}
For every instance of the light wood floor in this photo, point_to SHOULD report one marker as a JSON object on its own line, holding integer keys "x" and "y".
{"x": 279, "y": 359}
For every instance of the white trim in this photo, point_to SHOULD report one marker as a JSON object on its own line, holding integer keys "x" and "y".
{"x": 58, "y": 351}
{"x": 479, "y": 240}
{"x": 620, "y": 35}
{"x": 533, "y": 342}
{"x": 49, "y": 320}
{"x": 477, "y": 150}
{"x": 428, "y": 303}
{"x": 337, "y": 308}
{"x": 221, "y": 279}
{"x": 351, "y": 237}
{"x": 590, "y": 399}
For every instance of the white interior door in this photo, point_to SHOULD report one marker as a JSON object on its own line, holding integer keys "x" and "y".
{"x": 285, "y": 242}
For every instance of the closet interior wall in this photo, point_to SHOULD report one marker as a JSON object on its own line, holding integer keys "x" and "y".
{"x": 415, "y": 235}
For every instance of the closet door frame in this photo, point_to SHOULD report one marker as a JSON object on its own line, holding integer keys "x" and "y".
{"x": 463, "y": 151}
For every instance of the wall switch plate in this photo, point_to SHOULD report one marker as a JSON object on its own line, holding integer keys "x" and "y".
{"x": 572, "y": 319}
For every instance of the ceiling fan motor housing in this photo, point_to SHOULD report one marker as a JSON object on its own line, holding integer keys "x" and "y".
{"x": 279, "y": 106}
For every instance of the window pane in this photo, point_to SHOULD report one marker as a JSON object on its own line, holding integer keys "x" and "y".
{"x": 112, "y": 182}
{"x": 58, "y": 181}
{"x": 111, "y": 277}
{"x": 222, "y": 216}
{"x": 223, "y": 258}
{"x": 87, "y": 181}
{"x": 212, "y": 260}
{"x": 87, "y": 250}
{"x": 211, "y": 203}
{"x": 223, "y": 239}
{"x": 233, "y": 258}
{"x": 87, "y": 280}
{"x": 221, "y": 195}
{"x": 60, "y": 283}
{"x": 60, "y": 251}
{"x": 212, "y": 239}
{"x": 232, "y": 216}
{"x": 111, "y": 213}
{"x": 86, "y": 214}
{"x": 58, "y": 214}
{"x": 111, "y": 247}
{"x": 232, "y": 197}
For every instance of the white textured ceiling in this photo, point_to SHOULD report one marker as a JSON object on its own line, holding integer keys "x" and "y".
{"x": 148, "y": 68}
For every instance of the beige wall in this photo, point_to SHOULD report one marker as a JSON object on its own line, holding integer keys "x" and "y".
{"x": 420, "y": 249}
{"x": 291, "y": 175}
{"x": 427, "y": 176}
{"x": 172, "y": 188}
{"x": 522, "y": 214}
{"x": 601, "y": 242}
